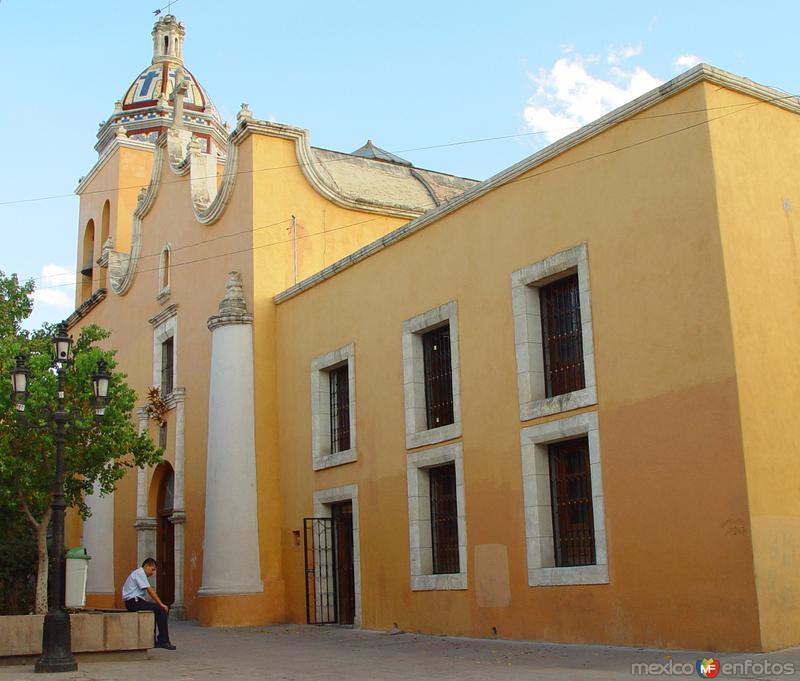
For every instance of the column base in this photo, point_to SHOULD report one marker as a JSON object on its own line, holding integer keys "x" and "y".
{"x": 244, "y": 610}
{"x": 178, "y": 612}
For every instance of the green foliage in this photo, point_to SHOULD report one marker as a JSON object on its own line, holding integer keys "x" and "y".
{"x": 95, "y": 458}
{"x": 17, "y": 563}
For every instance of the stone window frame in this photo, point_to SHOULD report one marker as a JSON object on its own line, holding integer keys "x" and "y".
{"x": 165, "y": 326}
{"x": 164, "y": 267}
{"x": 525, "y": 283}
{"x": 417, "y": 432}
{"x": 419, "y": 519}
{"x": 540, "y": 549}
{"x": 323, "y": 500}
{"x": 321, "y": 454}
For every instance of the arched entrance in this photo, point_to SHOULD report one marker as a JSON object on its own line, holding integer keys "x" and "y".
{"x": 165, "y": 538}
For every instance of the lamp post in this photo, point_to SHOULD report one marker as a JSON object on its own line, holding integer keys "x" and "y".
{"x": 56, "y": 644}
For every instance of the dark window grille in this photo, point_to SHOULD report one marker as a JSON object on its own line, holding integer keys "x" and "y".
{"x": 444, "y": 519}
{"x": 561, "y": 336}
{"x": 340, "y": 409}
{"x": 167, "y": 364}
{"x": 438, "y": 377}
{"x": 162, "y": 436}
{"x": 571, "y": 499}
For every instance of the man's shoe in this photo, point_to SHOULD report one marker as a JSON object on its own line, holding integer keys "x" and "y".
{"x": 166, "y": 646}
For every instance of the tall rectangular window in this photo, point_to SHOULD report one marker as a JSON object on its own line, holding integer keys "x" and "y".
{"x": 438, "y": 377}
{"x": 340, "y": 409}
{"x": 167, "y": 366}
{"x": 561, "y": 336}
{"x": 571, "y": 499}
{"x": 444, "y": 519}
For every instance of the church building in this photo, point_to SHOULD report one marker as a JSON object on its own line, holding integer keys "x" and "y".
{"x": 558, "y": 404}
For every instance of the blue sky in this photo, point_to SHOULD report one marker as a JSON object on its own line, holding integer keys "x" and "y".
{"x": 407, "y": 75}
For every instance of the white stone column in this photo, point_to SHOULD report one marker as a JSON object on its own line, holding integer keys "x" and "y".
{"x": 145, "y": 526}
{"x": 231, "y": 553}
{"x": 98, "y": 540}
{"x": 178, "y": 517}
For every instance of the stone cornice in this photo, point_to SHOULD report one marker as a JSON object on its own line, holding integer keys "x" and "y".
{"x": 177, "y": 396}
{"x": 164, "y": 315}
{"x": 86, "y": 306}
{"x": 148, "y": 523}
{"x": 700, "y": 73}
{"x": 308, "y": 165}
{"x": 107, "y": 154}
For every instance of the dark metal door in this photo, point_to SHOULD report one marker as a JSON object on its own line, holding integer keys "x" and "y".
{"x": 329, "y": 573}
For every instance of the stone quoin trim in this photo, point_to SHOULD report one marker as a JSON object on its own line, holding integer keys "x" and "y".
{"x": 323, "y": 500}
{"x": 419, "y": 519}
{"x": 417, "y": 432}
{"x": 525, "y": 283}
{"x": 321, "y": 454}
{"x": 542, "y": 570}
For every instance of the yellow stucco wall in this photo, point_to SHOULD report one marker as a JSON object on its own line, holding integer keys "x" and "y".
{"x": 759, "y": 223}
{"x": 117, "y": 180}
{"x": 201, "y": 257}
{"x": 642, "y": 196}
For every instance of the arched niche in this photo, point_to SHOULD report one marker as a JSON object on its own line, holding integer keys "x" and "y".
{"x": 105, "y": 228}
{"x": 87, "y": 261}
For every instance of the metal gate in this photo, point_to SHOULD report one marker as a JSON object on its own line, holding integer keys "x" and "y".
{"x": 329, "y": 595}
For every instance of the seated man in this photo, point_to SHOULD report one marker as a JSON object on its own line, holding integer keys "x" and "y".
{"x": 133, "y": 592}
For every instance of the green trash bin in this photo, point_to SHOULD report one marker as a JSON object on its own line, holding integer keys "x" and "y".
{"x": 77, "y": 572}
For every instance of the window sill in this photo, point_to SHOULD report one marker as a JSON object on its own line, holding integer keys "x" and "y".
{"x": 568, "y": 576}
{"x": 450, "y": 582}
{"x": 558, "y": 404}
{"x": 433, "y": 436}
{"x": 163, "y": 295}
{"x": 323, "y": 461}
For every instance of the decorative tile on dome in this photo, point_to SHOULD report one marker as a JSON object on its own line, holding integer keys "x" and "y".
{"x": 149, "y": 86}
{"x": 146, "y": 87}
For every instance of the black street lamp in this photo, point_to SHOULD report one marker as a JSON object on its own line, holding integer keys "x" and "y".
{"x": 56, "y": 643}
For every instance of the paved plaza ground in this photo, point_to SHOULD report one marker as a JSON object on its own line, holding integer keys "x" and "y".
{"x": 304, "y": 653}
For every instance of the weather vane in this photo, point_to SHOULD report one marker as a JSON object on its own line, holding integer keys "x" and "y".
{"x": 169, "y": 8}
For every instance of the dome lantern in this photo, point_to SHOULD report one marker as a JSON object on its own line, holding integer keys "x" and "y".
{"x": 168, "y": 34}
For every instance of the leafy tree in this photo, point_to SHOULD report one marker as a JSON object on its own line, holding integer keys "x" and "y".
{"x": 95, "y": 458}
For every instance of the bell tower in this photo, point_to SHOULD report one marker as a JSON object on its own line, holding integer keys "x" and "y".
{"x": 168, "y": 34}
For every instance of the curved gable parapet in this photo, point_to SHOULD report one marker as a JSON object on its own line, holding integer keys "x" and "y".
{"x": 318, "y": 167}
{"x": 185, "y": 156}
{"x": 208, "y": 200}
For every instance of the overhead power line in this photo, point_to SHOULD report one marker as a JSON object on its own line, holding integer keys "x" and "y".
{"x": 445, "y": 145}
{"x": 527, "y": 177}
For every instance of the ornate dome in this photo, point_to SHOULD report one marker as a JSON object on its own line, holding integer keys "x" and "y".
{"x": 158, "y": 81}
{"x": 148, "y": 105}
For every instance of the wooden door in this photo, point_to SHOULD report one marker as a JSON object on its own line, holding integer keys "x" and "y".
{"x": 342, "y": 515}
{"x": 165, "y": 549}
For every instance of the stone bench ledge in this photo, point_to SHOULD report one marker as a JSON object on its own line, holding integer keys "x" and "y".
{"x": 99, "y": 633}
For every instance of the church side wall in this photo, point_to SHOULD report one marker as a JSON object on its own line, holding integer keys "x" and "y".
{"x": 680, "y": 569}
{"x": 757, "y": 183}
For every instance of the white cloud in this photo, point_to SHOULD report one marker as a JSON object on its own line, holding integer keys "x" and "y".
{"x": 56, "y": 288}
{"x": 578, "y": 89}
{"x": 617, "y": 53}
{"x": 685, "y": 61}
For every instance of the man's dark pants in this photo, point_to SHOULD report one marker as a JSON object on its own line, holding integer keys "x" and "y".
{"x": 136, "y": 604}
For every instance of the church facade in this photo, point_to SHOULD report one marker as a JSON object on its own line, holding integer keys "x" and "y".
{"x": 556, "y": 404}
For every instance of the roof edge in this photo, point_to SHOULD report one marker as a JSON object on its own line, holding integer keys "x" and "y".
{"x": 697, "y": 74}
{"x": 308, "y": 166}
